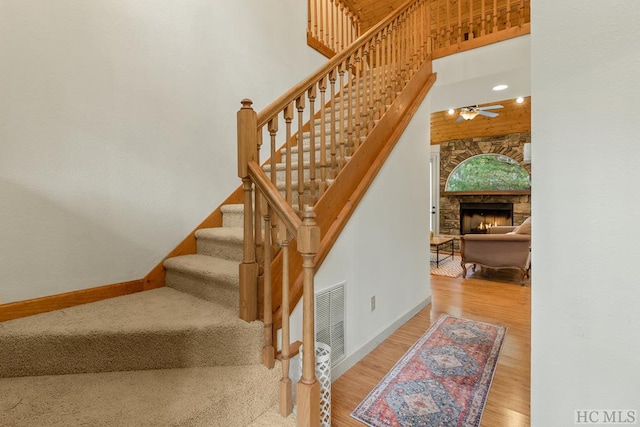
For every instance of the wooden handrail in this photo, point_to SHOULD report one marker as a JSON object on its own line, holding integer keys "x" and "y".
{"x": 286, "y": 213}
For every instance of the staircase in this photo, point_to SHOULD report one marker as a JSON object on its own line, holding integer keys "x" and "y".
{"x": 173, "y": 356}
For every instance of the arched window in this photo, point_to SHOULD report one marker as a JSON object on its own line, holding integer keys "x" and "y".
{"x": 488, "y": 172}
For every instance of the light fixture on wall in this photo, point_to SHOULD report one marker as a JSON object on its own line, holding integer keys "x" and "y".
{"x": 519, "y": 100}
{"x": 527, "y": 152}
{"x": 451, "y": 111}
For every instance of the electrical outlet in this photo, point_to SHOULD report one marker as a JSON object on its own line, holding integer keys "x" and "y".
{"x": 373, "y": 303}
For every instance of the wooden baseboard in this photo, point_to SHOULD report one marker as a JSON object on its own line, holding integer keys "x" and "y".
{"x": 30, "y": 307}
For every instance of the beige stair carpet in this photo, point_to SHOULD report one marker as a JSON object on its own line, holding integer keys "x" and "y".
{"x": 175, "y": 356}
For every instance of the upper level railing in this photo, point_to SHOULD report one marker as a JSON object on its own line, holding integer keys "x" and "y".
{"x": 321, "y": 137}
{"x": 454, "y": 25}
{"x": 458, "y": 21}
{"x": 331, "y": 26}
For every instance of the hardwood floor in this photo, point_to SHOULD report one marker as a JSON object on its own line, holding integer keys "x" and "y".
{"x": 500, "y": 300}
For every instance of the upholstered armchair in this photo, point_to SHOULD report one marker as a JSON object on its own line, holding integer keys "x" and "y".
{"x": 501, "y": 247}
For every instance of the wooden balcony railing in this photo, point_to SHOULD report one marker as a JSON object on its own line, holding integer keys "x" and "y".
{"x": 324, "y": 137}
{"x": 454, "y": 25}
{"x": 331, "y": 26}
{"x": 463, "y": 24}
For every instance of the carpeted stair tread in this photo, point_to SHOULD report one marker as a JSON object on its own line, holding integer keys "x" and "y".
{"x": 210, "y": 396}
{"x": 161, "y": 328}
{"x": 150, "y": 310}
{"x": 206, "y": 267}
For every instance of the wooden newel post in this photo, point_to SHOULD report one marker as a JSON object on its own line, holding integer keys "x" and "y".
{"x": 308, "y": 388}
{"x": 248, "y": 151}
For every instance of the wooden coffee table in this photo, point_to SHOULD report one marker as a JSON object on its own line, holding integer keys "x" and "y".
{"x": 441, "y": 243}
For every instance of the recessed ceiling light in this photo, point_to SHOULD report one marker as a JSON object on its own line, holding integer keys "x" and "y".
{"x": 519, "y": 100}
{"x": 500, "y": 87}
{"x": 451, "y": 111}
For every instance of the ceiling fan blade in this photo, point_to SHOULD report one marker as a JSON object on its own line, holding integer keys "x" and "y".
{"x": 491, "y": 107}
{"x": 459, "y": 119}
{"x": 488, "y": 114}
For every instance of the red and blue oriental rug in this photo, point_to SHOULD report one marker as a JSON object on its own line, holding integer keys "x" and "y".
{"x": 443, "y": 380}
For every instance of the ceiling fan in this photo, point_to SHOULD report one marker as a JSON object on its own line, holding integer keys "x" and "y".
{"x": 469, "y": 113}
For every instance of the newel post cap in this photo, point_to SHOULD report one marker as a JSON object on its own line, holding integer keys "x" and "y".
{"x": 308, "y": 233}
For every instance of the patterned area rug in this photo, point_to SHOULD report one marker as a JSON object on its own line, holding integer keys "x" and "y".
{"x": 449, "y": 267}
{"x": 443, "y": 380}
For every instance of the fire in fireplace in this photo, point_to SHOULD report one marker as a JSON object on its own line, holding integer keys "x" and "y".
{"x": 477, "y": 218}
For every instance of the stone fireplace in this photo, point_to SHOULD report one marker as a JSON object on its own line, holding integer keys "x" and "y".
{"x": 517, "y": 204}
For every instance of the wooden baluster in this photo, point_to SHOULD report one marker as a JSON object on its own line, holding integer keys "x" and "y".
{"x": 273, "y": 132}
{"x": 248, "y": 270}
{"x": 341, "y": 132}
{"x": 379, "y": 101}
{"x": 322, "y": 84}
{"x": 300, "y": 108}
{"x": 309, "y": 18}
{"x": 364, "y": 85}
{"x": 308, "y": 238}
{"x": 350, "y": 125}
{"x": 311, "y": 93}
{"x": 484, "y": 19}
{"x": 508, "y": 18}
{"x": 321, "y": 21}
{"x": 449, "y": 23}
{"x": 288, "y": 117}
{"x": 268, "y": 351}
{"x": 422, "y": 28}
{"x": 404, "y": 51}
{"x": 257, "y": 224}
{"x": 430, "y": 38}
{"x": 495, "y": 16}
{"x": 334, "y": 24}
{"x": 386, "y": 77}
{"x": 358, "y": 80}
{"x": 459, "y": 21}
{"x": 342, "y": 27}
{"x": 395, "y": 43}
{"x": 471, "y": 35}
{"x": 437, "y": 38}
{"x": 522, "y": 17}
{"x": 416, "y": 34}
{"x": 371, "y": 97}
{"x": 286, "y": 391}
{"x": 332, "y": 119}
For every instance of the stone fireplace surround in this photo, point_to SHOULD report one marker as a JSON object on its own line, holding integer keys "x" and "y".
{"x": 455, "y": 151}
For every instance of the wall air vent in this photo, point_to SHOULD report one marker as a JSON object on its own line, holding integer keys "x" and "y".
{"x": 330, "y": 320}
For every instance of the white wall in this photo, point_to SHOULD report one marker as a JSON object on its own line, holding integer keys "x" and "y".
{"x": 586, "y": 286}
{"x": 467, "y": 78}
{"x": 384, "y": 250}
{"x": 117, "y": 127}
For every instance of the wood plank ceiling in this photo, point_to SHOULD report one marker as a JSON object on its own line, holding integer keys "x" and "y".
{"x": 373, "y": 11}
{"x": 512, "y": 118}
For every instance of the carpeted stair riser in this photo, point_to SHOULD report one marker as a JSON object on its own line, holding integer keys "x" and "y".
{"x": 233, "y": 215}
{"x": 229, "y": 396}
{"x": 162, "y": 328}
{"x": 205, "y": 277}
{"x": 130, "y": 351}
{"x": 221, "y": 242}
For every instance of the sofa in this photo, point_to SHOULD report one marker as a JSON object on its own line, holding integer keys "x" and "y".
{"x": 501, "y": 247}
